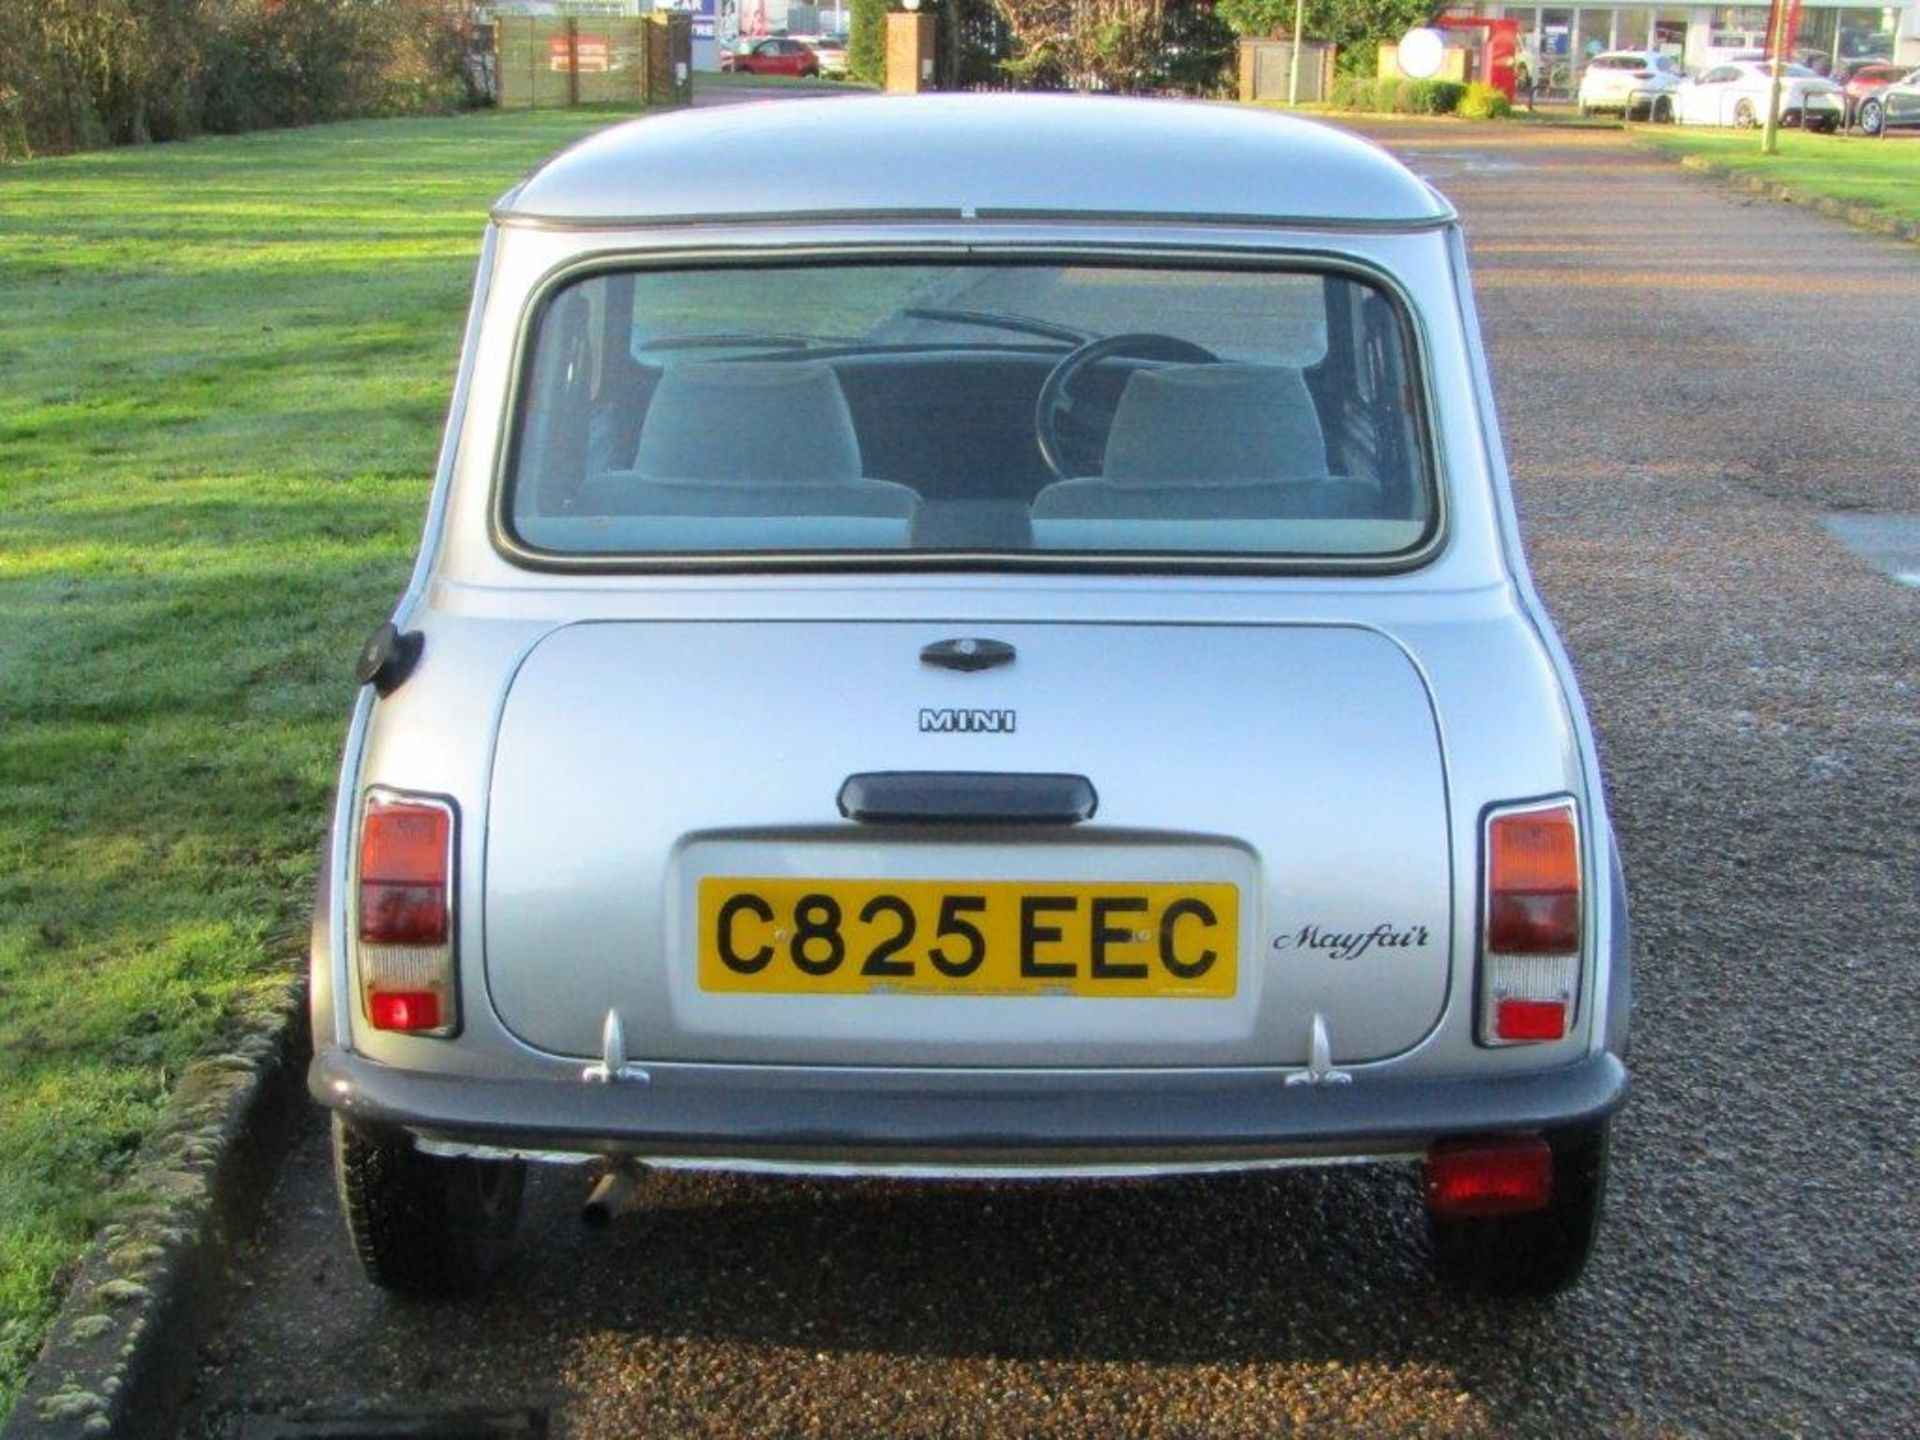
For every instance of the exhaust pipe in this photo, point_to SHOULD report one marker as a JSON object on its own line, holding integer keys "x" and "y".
{"x": 616, "y": 1193}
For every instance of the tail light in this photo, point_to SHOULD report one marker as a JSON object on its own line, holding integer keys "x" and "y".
{"x": 1532, "y": 923}
{"x": 404, "y": 905}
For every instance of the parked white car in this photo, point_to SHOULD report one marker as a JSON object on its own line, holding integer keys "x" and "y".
{"x": 1640, "y": 84}
{"x": 1737, "y": 94}
{"x": 1081, "y": 713}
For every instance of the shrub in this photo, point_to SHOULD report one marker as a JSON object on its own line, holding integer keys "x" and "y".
{"x": 1429, "y": 97}
{"x": 1354, "y": 92}
{"x": 1483, "y": 102}
{"x": 867, "y": 42}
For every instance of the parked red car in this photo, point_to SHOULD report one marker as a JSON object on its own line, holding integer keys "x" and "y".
{"x": 1863, "y": 84}
{"x": 775, "y": 56}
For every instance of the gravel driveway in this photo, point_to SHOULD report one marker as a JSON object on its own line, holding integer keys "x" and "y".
{"x": 1691, "y": 383}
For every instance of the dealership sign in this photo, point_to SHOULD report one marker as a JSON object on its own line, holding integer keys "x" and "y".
{"x": 581, "y": 54}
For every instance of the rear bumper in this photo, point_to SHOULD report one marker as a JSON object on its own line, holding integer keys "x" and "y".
{"x": 786, "y": 1114}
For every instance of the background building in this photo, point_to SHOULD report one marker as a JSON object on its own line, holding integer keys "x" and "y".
{"x": 1560, "y": 39}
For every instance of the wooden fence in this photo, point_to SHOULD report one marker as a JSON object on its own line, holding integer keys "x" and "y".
{"x": 632, "y": 61}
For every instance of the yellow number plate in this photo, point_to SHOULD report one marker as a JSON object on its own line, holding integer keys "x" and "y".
{"x": 940, "y": 937}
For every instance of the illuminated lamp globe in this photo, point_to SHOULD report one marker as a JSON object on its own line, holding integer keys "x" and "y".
{"x": 1422, "y": 53}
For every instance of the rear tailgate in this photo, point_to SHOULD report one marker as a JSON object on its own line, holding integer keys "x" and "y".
{"x": 1271, "y": 842}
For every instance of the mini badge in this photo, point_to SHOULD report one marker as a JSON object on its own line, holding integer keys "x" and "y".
{"x": 967, "y": 722}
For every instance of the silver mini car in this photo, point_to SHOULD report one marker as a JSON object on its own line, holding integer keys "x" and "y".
{"x": 1015, "y": 661}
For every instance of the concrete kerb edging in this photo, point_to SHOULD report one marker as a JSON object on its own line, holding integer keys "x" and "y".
{"x": 121, "y": 1349}
{"x": 1861, "y": 217}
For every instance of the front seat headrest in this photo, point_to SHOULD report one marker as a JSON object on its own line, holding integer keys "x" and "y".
{"x": 1223, "y": 424}
{"x": 744, "y": 422}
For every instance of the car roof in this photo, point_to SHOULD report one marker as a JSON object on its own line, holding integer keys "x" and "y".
{"x": 977, "y": 157}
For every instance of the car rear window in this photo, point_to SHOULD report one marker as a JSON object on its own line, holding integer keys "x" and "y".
{"x": 997, "y": 412}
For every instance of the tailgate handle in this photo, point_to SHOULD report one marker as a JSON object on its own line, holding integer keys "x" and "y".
{"x": 965, "y": 797}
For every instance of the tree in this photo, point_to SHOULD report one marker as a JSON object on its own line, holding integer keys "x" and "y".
{"x": 1127, "y": 46}
{"x": 1356, "y": 26}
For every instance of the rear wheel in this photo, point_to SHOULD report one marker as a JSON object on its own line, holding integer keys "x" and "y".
{"x": 1743, "y": 115}
{"x": 1872, "y": 118}
{"x": 1537, "y": 1253}
{"x": 423, "y": 1224}
{"x": 1663, "y": 111}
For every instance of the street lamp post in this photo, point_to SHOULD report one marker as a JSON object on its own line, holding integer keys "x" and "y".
{"x": 1293, "y": 74}
{"x": 1770, "y": 137}
{"x": 1783, "y": 23}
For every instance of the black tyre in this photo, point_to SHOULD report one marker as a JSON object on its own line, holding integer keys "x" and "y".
{"x": 1663, "y": 111}
{"x": 422, "y": 1224}
{"x": 1743, "y": 116}
{"x": 1872, "y": 117}
{"x": 1539, "y": 1253}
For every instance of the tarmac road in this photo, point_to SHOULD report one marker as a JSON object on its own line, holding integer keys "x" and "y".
{"x": 1691, "y": 383}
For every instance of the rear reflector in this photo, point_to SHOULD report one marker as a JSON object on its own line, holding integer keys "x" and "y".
{"x": 1530, "y": 1019}
{"x": 404, "y": 1010}
{"x": 1530, "y": 944}
{"x": 1476, "y": 1179}
{"x": 405, "y": 914}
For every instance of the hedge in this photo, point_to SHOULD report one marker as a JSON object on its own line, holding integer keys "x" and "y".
{"x": 77, "y": 74}
{"x": 1397, "y": 97}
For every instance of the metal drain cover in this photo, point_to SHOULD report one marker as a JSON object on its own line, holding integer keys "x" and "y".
{"x": 457, "y": 1425}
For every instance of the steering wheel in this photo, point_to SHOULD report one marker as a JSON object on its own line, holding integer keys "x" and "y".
{"x": 1056, "y": 404}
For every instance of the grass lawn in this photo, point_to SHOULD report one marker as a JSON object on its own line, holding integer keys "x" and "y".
{"x": 223, "y": 369}
{"x": 1881, "y": 174}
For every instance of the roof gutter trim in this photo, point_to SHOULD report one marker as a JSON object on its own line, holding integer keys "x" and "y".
{"x": 1440, "y": 220}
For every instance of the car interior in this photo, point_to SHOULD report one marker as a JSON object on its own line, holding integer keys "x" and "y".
{"x": 930, "y": 432}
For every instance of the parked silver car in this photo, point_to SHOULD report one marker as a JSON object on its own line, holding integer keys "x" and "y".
{"x": 1893, "y": 108}
{"x": 1014, "y": 661}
